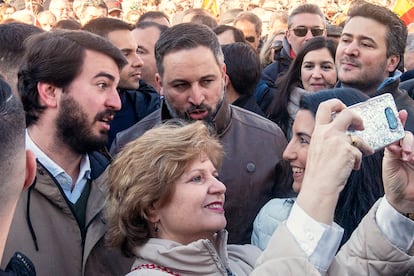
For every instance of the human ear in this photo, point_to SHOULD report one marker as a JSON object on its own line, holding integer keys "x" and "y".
{"x": 393, "y": 62}
{"x": 47, "y": 94}
{"x": 226, "y": 80}
{"x": 152, "y": 214}
{"x": 158, "y": 80}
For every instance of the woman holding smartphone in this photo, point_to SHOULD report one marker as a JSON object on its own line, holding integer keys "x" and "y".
{"x": 363, "y": 187}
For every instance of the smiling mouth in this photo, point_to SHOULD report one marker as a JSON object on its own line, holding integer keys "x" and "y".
{"x": 214, "y": 206}
{"x": 297, "y": 170}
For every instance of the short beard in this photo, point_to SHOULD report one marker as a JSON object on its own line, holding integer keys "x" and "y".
{"x": 73, "y": 128}
{"x": 209, "y": 119}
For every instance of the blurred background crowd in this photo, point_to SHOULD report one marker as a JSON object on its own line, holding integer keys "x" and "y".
{"x": 224, "y": 11}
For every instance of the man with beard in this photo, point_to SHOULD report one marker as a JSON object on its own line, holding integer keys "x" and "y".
{"x": 371, "y": 47}
{"x": 192, "y": 77}
{"x": 138, "y": 98}
{"x": 67, "y": 82}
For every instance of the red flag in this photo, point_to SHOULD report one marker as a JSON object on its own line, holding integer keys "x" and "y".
{"x": 405, "y": 11}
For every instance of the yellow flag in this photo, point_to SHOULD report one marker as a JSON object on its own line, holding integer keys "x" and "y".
{"x": 405, "y": 11}
{"x": 211, "y": 6}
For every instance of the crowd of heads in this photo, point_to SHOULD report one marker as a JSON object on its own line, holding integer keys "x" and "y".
{"x": 73, "y": 80}
{"x": 272, "y": 15}
{"x": 263, "y": 23}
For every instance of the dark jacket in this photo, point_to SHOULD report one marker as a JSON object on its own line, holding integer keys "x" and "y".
{"x": 401, "y": 98}
{"x": 248, "y": 102}
{"x": 19, "y": 265}
{"x": 136, "y": 104}
{"x": 251, "y": 169}
{"x": 266, "y": 87}
{"x": 407, "y": 75}
{"x": 408, "y": 86}
{"x": 44, "y": 227}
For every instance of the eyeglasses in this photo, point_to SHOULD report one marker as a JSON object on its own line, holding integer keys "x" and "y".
{"x": 251, "y": 39}
{"x": 302, "y": 31}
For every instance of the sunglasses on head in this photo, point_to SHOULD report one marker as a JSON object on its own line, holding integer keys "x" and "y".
{"x": 302, "y": 31}
{"x": 251, "y": 39}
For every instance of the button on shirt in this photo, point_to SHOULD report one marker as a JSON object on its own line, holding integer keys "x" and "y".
{"x": 64, "y": 180}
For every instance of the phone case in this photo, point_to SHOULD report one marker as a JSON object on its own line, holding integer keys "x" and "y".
{"x": 381, "y": 122}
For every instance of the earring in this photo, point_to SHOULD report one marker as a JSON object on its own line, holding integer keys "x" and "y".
{"x": 155, "y": 228}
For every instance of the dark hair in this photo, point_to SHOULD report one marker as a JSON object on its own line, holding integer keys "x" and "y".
{"x": 306, "y": 8}
{"x": 102, "y": 26}
{"x": 152, "y": 15}
{"x": 12, "y": 124}
{"x": 12, "y": 138}
{"x": 277, "y": 110}
{"x": 237, "y": 34}
{"x": 207, "y": 20}
{"x": 12, "y": 36}
{"x": 396, "y": 35}
{"x": 57, "y": 58}
{"x": 148, "y": 24}
{"x": 252, "y": 18}
{"x": 364, "y": 186}
{"x": 242, "y": 66}
{"x": 67, "y": 24}
{"x": 186, "y": 36}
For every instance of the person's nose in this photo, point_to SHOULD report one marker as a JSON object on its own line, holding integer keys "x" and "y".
{"x": 196, "y": 96}
{"x": 113, "y": 101}
{"x": 351, "y": 48}
{"x": 316, "y": 73}
{"x": 289, "y": 153}
{"x": 137, "y": 61}
{"x": 308, "y": 35}
{"x": 217, "y": 187}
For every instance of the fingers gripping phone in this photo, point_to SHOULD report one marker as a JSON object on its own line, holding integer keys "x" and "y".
{"x": 382, "y": 126}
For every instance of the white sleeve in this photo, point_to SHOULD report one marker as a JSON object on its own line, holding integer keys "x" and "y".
{"x": 398, "y": 229}
{"x": 319, "y": 241}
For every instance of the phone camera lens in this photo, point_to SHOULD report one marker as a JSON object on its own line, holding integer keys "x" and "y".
{"x": 391, "y": 119}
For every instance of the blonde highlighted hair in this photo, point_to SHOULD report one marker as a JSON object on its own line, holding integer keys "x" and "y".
{"x": 144, "y": 173}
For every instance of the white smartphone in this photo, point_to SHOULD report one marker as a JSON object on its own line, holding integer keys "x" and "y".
{"x": 381, "y": 122}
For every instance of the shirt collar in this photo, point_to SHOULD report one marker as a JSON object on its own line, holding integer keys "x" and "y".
{"x": 51, "y": 166}
{"x": 390, "y": 79}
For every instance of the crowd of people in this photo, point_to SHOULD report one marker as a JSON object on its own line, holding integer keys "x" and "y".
{"x": 198, "y": 138}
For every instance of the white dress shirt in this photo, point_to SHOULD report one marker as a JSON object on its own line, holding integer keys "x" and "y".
{"x": 64, "y": 180}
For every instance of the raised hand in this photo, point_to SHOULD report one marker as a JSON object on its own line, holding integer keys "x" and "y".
{"x": 398, "y": 172}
